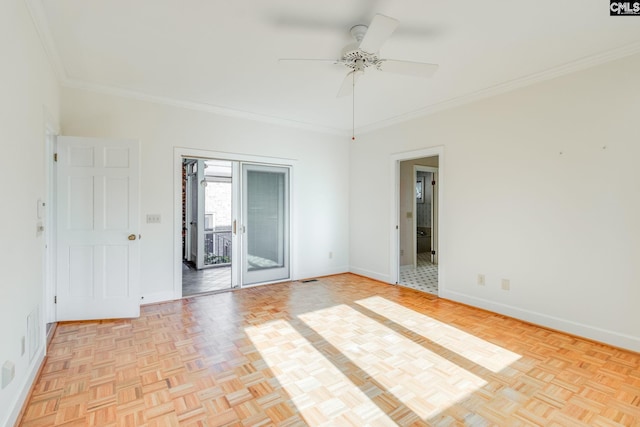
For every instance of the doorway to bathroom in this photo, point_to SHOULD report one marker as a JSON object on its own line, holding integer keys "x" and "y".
{"x": 418, "y": 225}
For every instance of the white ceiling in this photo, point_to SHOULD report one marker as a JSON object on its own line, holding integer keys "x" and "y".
{"x": 222, "y": 55}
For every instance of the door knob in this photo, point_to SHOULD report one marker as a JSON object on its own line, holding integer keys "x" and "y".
{"x": 132, "y": 237}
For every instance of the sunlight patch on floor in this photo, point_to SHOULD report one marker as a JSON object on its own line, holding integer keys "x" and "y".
{"x": 418, "y": 378}
{"x": 320, "y": 391}
{"x": 477, "y": 350}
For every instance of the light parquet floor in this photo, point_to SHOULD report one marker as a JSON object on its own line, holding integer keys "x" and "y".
{"x": 342, "y": 351}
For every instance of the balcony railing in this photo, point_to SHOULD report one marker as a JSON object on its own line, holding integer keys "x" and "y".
{"x": 217, "y": 247}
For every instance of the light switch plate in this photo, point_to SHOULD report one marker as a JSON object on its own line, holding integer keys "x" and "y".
{"x": 153, "y": 218}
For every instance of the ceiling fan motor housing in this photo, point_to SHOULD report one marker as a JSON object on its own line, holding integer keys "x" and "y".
{"x": 357, "y": 59}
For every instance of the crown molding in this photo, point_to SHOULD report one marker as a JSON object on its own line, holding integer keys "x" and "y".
{"x": 198, "y": 106}
{"x": 36, "y": 10}
{"x": 38, "y": 16}
{"x": 564, "y": 69}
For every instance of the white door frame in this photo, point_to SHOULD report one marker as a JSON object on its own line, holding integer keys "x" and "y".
{"x": 394, "y": 226}
{"x": 181, "y": 152}
{"x": 49, "y": 246}
{"x": 434, "y": 172}
{"x": 51, "y": 131}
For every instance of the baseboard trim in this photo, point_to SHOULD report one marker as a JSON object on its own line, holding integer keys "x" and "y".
{"x": 328, "y": 272}
{"x": 25, "y": 390}
{"x": 371, "y": 274}
{"x": 594, "y": 333}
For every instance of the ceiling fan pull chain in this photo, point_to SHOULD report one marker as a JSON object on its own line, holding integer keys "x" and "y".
{"x": 353, "y": 107}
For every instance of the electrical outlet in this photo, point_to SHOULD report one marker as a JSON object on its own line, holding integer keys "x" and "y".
{"x": 330, "y": 255}
{"x": 481, "y": 280}
{"x": 153, "y": 218}
{"x": 506, "y": 285}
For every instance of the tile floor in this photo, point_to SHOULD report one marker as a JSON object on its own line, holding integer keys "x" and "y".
{"x": 423, "y": 278}
{"x": 208, "y": 280}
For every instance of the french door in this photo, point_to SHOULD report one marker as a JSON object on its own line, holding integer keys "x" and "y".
{"x": 265, "y": 223}
{"x": 246, "y": 205}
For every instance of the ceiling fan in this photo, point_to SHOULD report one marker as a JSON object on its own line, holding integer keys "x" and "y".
{"x": 363, "y": 54}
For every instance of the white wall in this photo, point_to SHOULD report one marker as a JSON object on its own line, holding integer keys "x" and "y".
{"x": 28, "y": 87}
{"x": 542, "y": 188}
{"x": 320, "y": 189}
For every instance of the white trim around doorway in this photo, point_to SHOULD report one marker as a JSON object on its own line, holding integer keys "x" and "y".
{"x": 394, "y": 258}
{"x": 51, "y": 132}
{"x": 181, "y": 152}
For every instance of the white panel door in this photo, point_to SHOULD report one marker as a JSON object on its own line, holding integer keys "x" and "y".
{"x": 265, "y": 219}
{"x": 98, "y": 247}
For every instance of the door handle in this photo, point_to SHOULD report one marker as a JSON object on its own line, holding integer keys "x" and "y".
{"x": 132, "y": 237}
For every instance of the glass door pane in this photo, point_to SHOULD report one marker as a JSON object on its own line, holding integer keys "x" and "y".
{"x": 265, "y": 212}
{"x": 217, "y": 214}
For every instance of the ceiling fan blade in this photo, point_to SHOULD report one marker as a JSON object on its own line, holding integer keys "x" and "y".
{"x": 420, "y": 69}
{"x": 348, "y": 83}
{"x": 379, "y": 31}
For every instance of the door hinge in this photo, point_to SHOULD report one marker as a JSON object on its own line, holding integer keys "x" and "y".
{"x": 397, "y": 227}
{"x": 55, "y": 299}
{"x": 55, "y": 157}
{"x": 433, "y": 183}
{"x": 433, "y": 252}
